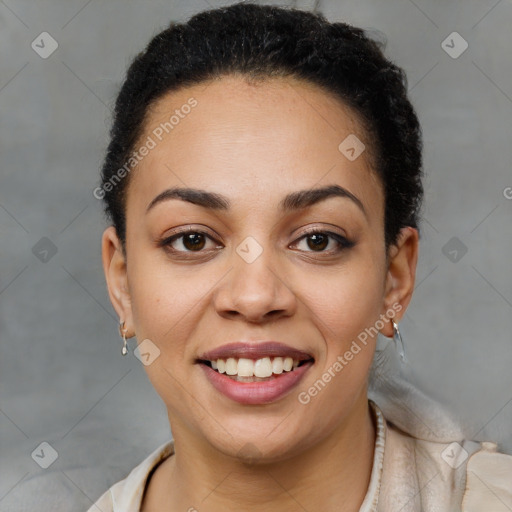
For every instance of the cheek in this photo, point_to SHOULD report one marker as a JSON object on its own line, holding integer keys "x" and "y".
{"x": 343, "y": 315}
{"x": 163, "y": 305}
{"x": 164, "y": 311}
{"x": 348, "y": 300}
{"x": 345, "y": 311}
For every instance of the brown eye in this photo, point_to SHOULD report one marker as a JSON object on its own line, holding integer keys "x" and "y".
{"x": 193, "y": 241}
{"x": 186, "y": 241}
{"x": 318, "y": 241}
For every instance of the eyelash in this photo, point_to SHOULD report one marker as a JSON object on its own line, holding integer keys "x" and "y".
{"x": 343, "y": 243}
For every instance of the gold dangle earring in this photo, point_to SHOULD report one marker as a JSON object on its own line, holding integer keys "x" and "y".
{"x": 122, "y": 332}
{"x": 399, "y": 343}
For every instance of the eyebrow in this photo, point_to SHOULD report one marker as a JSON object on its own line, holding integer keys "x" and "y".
{"x": 291, "y": 202}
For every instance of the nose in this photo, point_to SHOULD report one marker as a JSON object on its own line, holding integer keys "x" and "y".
{"x": 256, "y": 292}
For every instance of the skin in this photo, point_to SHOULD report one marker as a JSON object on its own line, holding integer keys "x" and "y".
{"x": 255, "y": 143}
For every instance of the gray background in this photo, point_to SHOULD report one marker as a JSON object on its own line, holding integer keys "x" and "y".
{"x": 63, "y": 379}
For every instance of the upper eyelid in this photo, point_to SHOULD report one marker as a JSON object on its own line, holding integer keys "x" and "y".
{"x": 203, "y": 231}
{"x": 185, "y": 231}
{"x": 310, "y": 231}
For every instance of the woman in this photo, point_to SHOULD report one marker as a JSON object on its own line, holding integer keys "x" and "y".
{"x": 264, "y": 181}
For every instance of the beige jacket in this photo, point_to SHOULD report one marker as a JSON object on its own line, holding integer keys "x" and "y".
{"x": 408, "y": 475}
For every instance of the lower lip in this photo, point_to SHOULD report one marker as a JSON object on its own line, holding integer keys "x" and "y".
{"x": 256, "y": 393}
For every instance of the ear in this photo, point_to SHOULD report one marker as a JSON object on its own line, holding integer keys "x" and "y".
{"x": 401, "y": 275}
{"x": 114, "y": 267}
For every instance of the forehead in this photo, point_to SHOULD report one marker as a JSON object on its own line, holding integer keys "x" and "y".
{"x": 252, "y": 140}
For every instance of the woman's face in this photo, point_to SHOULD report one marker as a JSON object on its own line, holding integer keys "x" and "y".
{"x": 255, "y": 274}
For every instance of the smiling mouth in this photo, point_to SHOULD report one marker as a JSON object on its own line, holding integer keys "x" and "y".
{"x": 255, "y": 370}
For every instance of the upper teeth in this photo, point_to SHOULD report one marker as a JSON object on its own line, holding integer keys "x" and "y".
{"x": 264, "y": 367}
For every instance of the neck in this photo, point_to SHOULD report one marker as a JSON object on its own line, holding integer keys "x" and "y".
{"x": 333, "y": 474}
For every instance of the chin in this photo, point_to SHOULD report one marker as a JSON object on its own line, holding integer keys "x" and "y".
{"x": 259, "y": 442}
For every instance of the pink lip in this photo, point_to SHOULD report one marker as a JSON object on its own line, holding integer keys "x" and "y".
{"x": 256, "y": 393}
{"x": 254, "y": 351}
